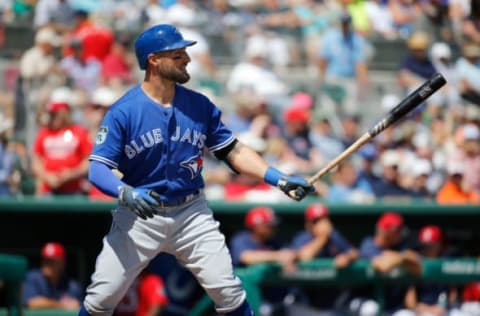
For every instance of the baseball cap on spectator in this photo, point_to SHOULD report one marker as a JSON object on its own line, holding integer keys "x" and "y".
{"x": 256, "y": 48}
{"x": 53, "y": 250}
{"x": 57, "y": 106}
{"x": 253, "y": 141}
{"x": 48, "y": 36}
{"x": 296, "y": 115}
{"x": 471, "y": 50}
{"x": 471, "y": 132}
{"x": 418, "y": 41}
{"x": 390, "y": 158}
{"x": 389, "y": 101}
{"x": 430, "y": 234}
{"x": 103, "y": 96}
{"x": 260, "y": 215}
{"x": 61, "y": 94}
{"x": 181, "y": 15}
{"x": 315, "y": 211}
{"x": 368, "y": 152}
{"x": 302, "y": 100}
{"x": 421, "y": 167}
{"x": 390, "y": 221}
{"x": 440, "y": 50}
{"x": 455, "y": 167}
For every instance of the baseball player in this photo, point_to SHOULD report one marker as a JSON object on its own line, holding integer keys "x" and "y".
{"x": 155, "y": 135}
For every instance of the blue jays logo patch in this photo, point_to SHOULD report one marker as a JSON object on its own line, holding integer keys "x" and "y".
{"x": 193, "y": 164}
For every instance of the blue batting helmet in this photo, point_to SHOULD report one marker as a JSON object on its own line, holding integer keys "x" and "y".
{"x": 158, "y": 38}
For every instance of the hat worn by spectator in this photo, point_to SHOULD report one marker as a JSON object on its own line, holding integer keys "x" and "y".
{"x": 390, "y": 221}
{"x": 47, "y": 36}
{"x": 296, "y": 115}
{"x": 103, "y": 96}
{"x": 390, "y": 158}
{"x": 53, "y": 250}
{"x": 260, "y": 215}
{"x": 430, "y": 234}
{"x": 441, "y": 50}
{"x": 418, "y": 40}
{"x": 368, "y": 152}
{"x": 302, "y": 100}
{"x": 421, "y": 167}
{"x": 315, "y": 211}
{"x": 455, "y": 167}
{"x": 57, "y": 106}
{"x": 471, "y": 132}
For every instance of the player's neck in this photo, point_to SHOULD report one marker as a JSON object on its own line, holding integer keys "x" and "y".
{"x": 160, "y": 91}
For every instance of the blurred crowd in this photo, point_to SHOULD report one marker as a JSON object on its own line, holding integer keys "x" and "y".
{"x": 56, "y": 92}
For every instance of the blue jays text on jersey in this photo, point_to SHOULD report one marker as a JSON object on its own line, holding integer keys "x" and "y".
{"x": 161, "y": 147}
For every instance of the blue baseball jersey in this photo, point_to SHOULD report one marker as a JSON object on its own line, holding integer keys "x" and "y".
{"x": 157, "y": 147}
{"x": 335, "y": 244}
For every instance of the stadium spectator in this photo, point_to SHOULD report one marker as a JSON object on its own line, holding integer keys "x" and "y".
{"x": 443, "y": 61}
{"x": 351, "y": 125}
{"x": 296, "y": 133}
{"x": 347, "y": 187}
{"x": 82, "y": 73}
{"x": 153, "y": 13}
{"x": 387, "y": 251}
{"x": 320, "y": 239}
{"x": 427, "y": 298}
{"x": 468, "y": 153}
{"x": 49, "y": 286}
{"x": 9, "y": 177}
{"x": 58, "y": 14}
{"x": 454, "y": 190}
{"x": 416, "y": 67}
{"x": 469, "y": 73}
{"x": 117, "y": 65}
{"x": 60, "y": 153}
{"x": 96, "y": 40}
{"x": 471, "y": 23}
{"x": 389, "y": 187}
{"x": 260, "y": 244}
{"x": 421, "y": 172}
{"x": 342, "y": 63}
{"x": 246, "y": 75}
{"x": 145, "y": 297}
{"x": 323, "y": 138}
{"x": 38, "y": 62}
{"x": 380, "y": 19}
{"x": 404, "y": 14}
{"x": 368, "y": 153}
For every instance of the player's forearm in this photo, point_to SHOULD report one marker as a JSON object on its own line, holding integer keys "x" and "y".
{"x": 258, "y": 256}
{"x": 310, "y": 250}
{"x": 101, "y": 176}
{"x": 43, "y": 302}
{"x": 246, "y": 161}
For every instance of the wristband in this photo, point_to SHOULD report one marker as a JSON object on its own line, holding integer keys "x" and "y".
{"x": 272, "y": 176}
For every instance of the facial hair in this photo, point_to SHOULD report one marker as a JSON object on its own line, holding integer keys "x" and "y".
{"x": 175, "y": 74}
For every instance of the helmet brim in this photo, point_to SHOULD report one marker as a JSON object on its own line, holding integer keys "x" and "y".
{"x": 179, "y": 44}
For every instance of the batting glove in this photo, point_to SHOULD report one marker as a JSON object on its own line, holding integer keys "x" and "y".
{"x": 299, "y": 185}
{"x": 140, "y": 201}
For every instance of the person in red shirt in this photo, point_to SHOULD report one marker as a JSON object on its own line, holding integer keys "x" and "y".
{"x": 146, "y": 297}
{"x": 96, "y": 40}
{"x": 60, "y": 153}
{"x": 117, "y": 65}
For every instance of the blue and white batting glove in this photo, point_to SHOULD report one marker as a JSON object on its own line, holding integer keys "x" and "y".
{"x": 287, "y": 184}
{"x": 140, "y": 201}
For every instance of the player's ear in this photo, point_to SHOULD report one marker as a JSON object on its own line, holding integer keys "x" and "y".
{"x": 152, "y": 59}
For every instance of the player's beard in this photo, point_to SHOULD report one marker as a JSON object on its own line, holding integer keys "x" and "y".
{"x": 176, "y": 74}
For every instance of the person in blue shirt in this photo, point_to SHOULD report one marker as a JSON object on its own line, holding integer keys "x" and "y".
{"x": 321, "y": 240}
{"x": 347, "y": 187}
{"x": 48, "y": 286}
{"x": 387, "y": 250}
{"x": 430, "y": 298}
{"x": 259, "y": 243}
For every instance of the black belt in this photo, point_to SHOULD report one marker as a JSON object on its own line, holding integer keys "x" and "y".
{"x": 180, "y": 201}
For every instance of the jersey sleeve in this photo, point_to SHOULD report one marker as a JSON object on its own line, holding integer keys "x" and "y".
{"x": 219, "y": 136}
{"x": 110, "y": 139}
{"x": 152, "y": 291}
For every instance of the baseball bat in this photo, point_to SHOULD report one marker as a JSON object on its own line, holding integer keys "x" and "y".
{"x": 406, "y": 105}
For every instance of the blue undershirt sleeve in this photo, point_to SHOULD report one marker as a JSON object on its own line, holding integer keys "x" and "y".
{"x": 101, "y": 176}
